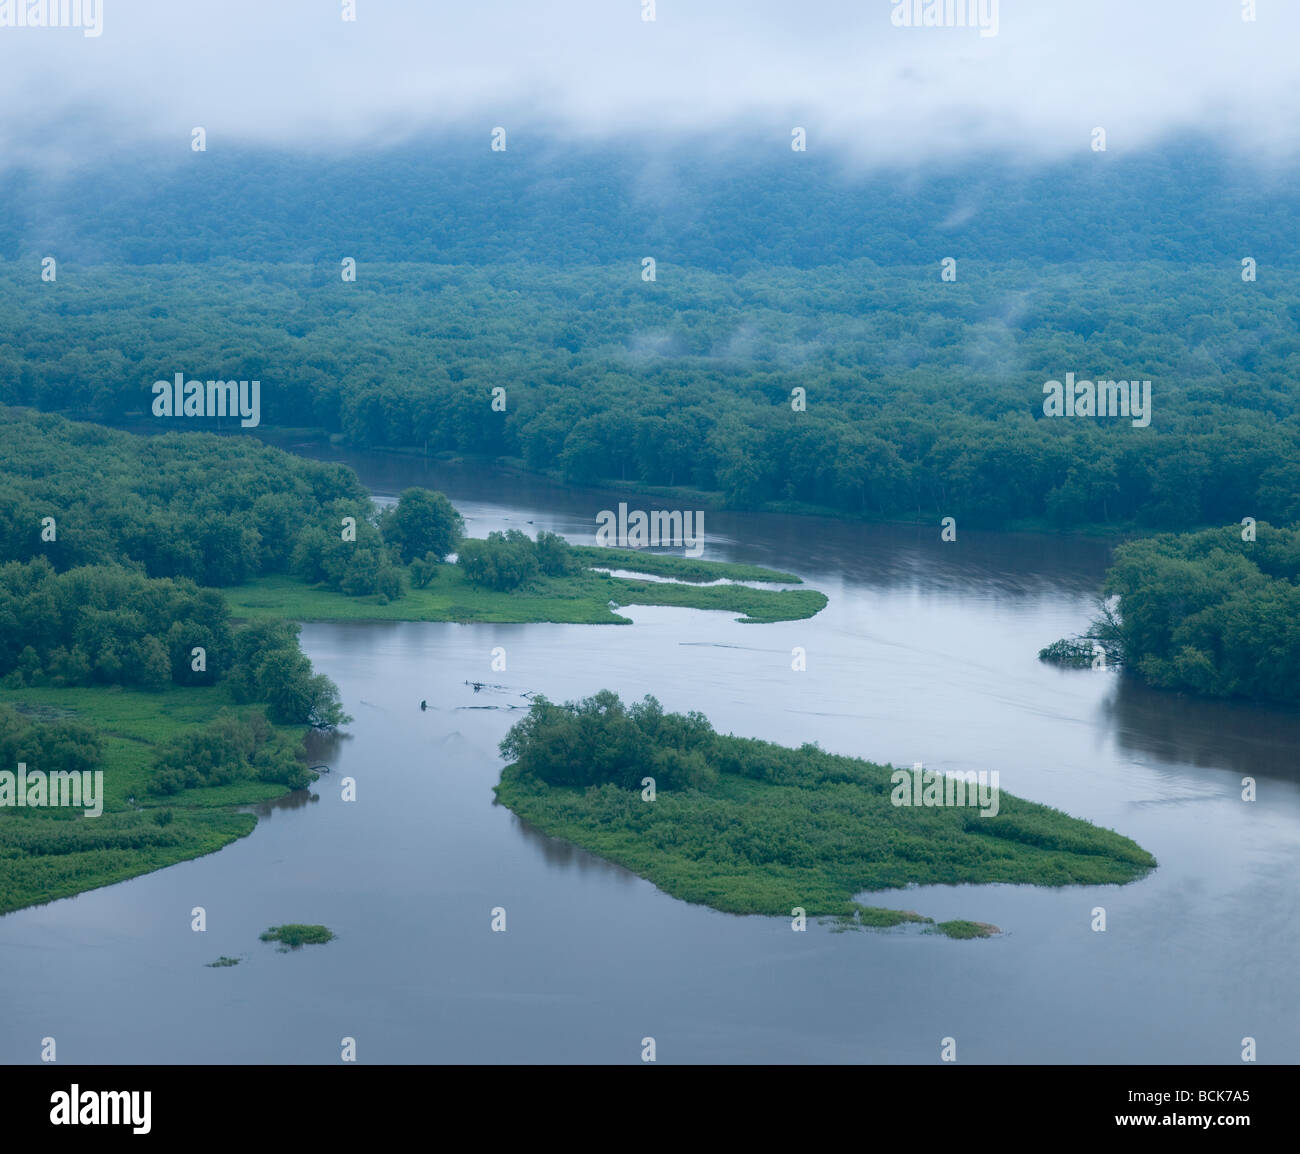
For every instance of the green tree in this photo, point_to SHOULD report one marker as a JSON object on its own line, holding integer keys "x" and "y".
{"x": 422, "y": 523}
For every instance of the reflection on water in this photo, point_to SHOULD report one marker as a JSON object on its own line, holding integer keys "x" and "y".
{"x": 559, "y": 854}
{"x": 322, "y": 747}
{"x": 1257, "y": 741}
{"x": 290, "y": 801}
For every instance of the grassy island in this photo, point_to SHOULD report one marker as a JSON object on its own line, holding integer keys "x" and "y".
{"x": 295, "y": 935}
{"x": 750, "y": 827}
{"x": 580, "y": 598}
{"x": 876, "y": 918}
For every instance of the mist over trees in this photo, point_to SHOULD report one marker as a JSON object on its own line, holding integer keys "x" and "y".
{"x": 921, "y": 398}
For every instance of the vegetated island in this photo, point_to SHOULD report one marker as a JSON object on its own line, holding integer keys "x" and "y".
{"x": 295, "y": 935}
{"x": 751, "y": 827}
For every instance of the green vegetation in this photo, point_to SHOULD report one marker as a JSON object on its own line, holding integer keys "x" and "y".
{"x": 174, "y": 762}
{"x": 295, "y": 936}
{"x": 964, "y": 930}
{"x": 1068, "y": 651}
{"x": 1213, "y": 612}
{"x": 751, "y": 827}
{"x": 679, "y": 568}
{"x": 924, "y": 399}
{"x": 222, "y": 963}
{"x": 216, "y": 510}
{"x": 227, "y": 750}
{"x": 873, "y": 918}
{"x": 362, "y": 558}
{"x": 295, "y": 557}
{"x": 422, "y": 524}
{"x": 105, "y": 625}
{"x": 147, "y": 680}
{"x": 1105, "y": 634}
{"x": 115, "y": 659}
{"x": 52, "y": 853}
{"x": 45, "y": 855}
{"x": 580, "y": 599}
{"x": 506, "y": 561}
{"x": 643, "y": 390}
{"x": 50, "y": 745}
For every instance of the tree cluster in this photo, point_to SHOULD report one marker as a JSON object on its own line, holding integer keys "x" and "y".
{"x": 600, "y": 741}
{"x": 1213, "y": 612}
{"x": 228, "y": 749}
{"x": 510, "y": 560}
{"x": 63, "y": 746}
{"x": 216, "y": 510}
{"x": 108, "y": 625}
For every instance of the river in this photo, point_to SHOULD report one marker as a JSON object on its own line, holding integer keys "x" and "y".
{"x": 926, "y": 652}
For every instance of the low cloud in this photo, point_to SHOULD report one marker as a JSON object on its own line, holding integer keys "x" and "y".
{"x": 292, "y": 74}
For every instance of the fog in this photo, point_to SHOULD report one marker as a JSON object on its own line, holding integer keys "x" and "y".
{"x": 294, "y": 74}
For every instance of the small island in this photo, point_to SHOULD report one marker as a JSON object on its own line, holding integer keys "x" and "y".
{"x": 296, "y": 935}
{"x": 751, "y": 827}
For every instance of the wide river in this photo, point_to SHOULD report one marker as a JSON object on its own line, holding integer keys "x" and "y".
{"x": 926, "y": 652}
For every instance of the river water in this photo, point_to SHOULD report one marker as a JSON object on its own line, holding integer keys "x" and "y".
{"x": 926, "y": 652}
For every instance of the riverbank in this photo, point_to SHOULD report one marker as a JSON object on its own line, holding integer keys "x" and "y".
{"x": 47, "y": 854}
{"x": 310, "y": 441}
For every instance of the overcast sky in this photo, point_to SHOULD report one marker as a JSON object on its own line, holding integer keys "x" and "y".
{"x": 292, "y": 73}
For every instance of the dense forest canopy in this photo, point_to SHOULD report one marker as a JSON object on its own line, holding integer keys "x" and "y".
{"x": 215, "y": 510}
{"x": 775, "y": 272}
{"x": 923, "y": 398}
{"x": 106, "y": 625}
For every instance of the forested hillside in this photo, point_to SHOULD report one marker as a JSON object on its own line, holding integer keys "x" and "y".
{"x": 476, "y": 271}
{"x": 923, "y": 398}
{"x": 733, "y": 203}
